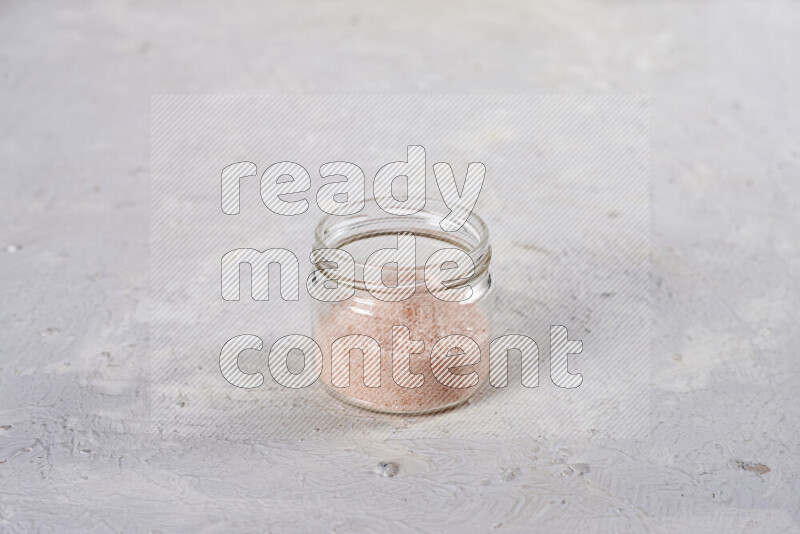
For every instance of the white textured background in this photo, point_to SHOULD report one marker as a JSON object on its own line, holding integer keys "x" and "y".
{"x": 75, "y": 452}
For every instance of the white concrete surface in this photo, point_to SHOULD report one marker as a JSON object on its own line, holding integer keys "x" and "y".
{"x": 76, "y": 452}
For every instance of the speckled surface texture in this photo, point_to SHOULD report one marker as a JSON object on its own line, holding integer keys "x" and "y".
{"x": 76, "y": 451}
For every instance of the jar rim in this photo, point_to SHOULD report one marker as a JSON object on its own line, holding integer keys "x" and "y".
{"x": 335, "y": 231}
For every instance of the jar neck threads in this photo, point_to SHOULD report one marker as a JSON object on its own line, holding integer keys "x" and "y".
{"x": 371, "y": 229}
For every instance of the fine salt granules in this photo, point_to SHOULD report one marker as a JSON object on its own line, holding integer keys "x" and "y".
{"x": 428, "y": 320}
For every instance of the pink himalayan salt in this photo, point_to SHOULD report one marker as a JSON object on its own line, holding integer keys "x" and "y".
{"x": 429, "y": 320}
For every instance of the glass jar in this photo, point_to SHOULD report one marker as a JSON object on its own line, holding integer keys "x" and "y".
{"x": 418, "y": 355}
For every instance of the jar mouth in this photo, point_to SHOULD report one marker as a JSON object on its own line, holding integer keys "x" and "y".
{"x": 340, "y": 231}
